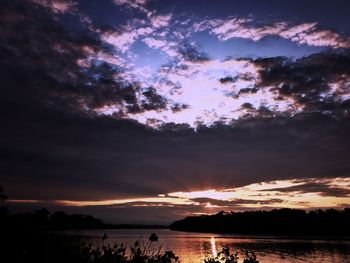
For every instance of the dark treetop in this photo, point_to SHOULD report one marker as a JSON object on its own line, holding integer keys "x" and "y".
{"x": 293, "y": 222}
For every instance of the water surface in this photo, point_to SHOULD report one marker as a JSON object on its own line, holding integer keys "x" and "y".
{"x": 194, "y": 247}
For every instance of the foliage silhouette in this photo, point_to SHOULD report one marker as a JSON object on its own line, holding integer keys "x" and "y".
{"x": 291, "y": 222}
{"x": 138, "y": 253}
{"x": 43, "y": 219}
{"x": 225, "y": 256}
{"x": 3, "y": 197}
{"x": 3, "y": 208}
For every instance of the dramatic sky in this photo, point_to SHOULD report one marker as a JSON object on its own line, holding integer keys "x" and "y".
{"x": 147, "y": 111}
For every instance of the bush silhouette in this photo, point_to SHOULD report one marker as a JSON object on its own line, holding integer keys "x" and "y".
{"x": 227, "y": 257}
{"x": 146, "y": 253}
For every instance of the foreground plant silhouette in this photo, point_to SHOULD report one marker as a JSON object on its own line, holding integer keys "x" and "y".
{"x": 150, "y": 253}
{"x": 224, "y": 256}
{"x": 139, "y": 253}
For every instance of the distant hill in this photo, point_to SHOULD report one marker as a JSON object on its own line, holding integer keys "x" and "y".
{"x": 43, "y": 219}
{"x": 288, "y": 222}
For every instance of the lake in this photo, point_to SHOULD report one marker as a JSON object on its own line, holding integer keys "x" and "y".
{"x": 194, "y": 247}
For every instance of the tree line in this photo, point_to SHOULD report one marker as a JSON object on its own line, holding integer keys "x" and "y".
{"x": 291, "y": 222}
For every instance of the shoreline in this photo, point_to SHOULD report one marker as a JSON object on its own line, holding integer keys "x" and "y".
{"x": 230, "y": 235}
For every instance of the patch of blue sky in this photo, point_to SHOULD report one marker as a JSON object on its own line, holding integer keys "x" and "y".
{"x": 104, "y": 13}
{"x": 270, "y": 46}
{"x": 146, "y": 56}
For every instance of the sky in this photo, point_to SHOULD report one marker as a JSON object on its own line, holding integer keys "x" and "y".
{"x": 148, "y": 111}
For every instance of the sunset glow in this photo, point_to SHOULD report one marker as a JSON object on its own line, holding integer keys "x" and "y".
{"x": 273, "y": 194}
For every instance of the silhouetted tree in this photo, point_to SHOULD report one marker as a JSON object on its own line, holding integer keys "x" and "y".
{"x": 3, "y": 197}
{"x": 3, "y": 208}
{"x": 329, "y": 222}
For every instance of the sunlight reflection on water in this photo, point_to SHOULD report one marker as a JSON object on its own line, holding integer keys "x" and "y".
{"x": 195, "y": 247}
{"x": 213, "y": 247}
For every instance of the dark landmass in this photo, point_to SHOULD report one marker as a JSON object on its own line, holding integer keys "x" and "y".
{"x": 43, "y": 219}
{"x": 59, "y": 220}
{"x": 278, "y": 222}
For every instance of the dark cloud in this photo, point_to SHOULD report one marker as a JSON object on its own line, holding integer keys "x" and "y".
{"x": 40, "y": 58}
{"x": 308, "y": 79}
{"x": 322, "y": 188}
{"x": 176, "y": 107}
{"x": 242, "y": 76}
{"x": 191, "y": 53}
{"x": 78, "y": 158}
{"x": 227, "y": 79}
{"x": 153, "y": 100}
{"x": 247, "y": 106}
{"x": 247, "y": 91}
